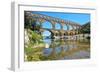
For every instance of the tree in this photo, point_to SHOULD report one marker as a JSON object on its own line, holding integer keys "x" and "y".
{"x": 85, "y": 28}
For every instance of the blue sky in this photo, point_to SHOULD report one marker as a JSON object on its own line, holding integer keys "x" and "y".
{"x": 80, "y": 18}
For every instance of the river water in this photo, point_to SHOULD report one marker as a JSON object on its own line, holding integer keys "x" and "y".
{"x": 61, "y": 50}
{"x": 64, "y": 49}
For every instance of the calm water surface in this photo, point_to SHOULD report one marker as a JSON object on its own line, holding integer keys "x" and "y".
{"x": 62, "y": 50}
{"x": 67, "y": 49}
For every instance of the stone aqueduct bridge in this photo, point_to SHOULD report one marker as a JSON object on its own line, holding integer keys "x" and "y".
{"x": 72, "y": 27}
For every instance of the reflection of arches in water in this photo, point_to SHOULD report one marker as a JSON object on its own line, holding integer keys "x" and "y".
{"x": 53, "y": 55}
{"x": 72, "y": 46}
{"x": 61, "y": 48}
{"x": 47, "y": 51}
{"x": 65, "y": 47}
{"x": 63, "y": 51}
{"x": 57, "y": 50}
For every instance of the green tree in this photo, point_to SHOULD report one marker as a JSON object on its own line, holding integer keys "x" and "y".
{"x": 85, "y": 28}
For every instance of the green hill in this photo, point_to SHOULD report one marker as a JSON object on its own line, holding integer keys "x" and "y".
{"x": 85, "y": 28}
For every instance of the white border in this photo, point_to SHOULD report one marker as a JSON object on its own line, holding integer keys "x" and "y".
{"x": 18, "y": 43}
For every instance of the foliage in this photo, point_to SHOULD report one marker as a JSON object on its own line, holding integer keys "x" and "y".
{"x": 35, "y": 39}
{"x": 85, "y": 28}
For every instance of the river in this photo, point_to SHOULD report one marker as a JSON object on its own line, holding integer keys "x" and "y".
{"x": 61, "y": 50}
{"x": 64, "y": 49}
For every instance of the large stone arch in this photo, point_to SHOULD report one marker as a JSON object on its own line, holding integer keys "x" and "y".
{"x": 51, "y": 31}
{"x": 65, "y": 27}
{"x": 58, "y": 25}
{"x": 47, "y": 25}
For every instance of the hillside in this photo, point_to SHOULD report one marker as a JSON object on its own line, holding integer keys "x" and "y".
{"x": 85, "y": 28}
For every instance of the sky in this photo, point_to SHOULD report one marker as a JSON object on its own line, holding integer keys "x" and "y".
{"x": 80, "y": 18}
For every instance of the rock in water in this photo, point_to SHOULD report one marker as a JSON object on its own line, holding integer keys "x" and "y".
{"x": 46, "y": 45}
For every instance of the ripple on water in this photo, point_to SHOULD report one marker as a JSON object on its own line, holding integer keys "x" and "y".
{"x": 47, "y": 51}
{"x": 78, "y": 55}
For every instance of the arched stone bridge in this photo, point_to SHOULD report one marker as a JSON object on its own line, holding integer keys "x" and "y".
{"x": 72, "y": 27}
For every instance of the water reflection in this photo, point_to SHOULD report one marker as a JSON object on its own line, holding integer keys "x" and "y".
{"x": 60, "y": 50}
{"x": 47, "y": 51}
{"x": 67, "y": 49}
